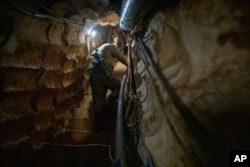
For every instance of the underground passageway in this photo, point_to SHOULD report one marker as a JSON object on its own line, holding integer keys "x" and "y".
{"x": 184, "y": 99}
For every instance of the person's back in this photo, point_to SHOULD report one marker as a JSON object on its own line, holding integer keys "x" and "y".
{"x": 101, "y": 77}
{"x": 107, "y": 53}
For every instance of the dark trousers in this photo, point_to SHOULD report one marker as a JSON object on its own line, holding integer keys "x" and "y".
{"x": 100, "y": 83}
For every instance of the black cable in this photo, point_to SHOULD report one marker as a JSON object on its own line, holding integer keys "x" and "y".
{"x": 25, "y": 10}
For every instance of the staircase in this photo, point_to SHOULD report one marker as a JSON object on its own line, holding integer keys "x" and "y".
{"x": 77, "y": 146}
{"x": 87, "y": 147}
{"x": 81, "y": 128}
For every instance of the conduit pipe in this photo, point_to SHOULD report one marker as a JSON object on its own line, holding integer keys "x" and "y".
{"x": 133, "y": 11}
{"x": 120, "y": 142}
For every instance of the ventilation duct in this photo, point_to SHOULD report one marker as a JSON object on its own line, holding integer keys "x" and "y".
{"x": 134, "y": 10}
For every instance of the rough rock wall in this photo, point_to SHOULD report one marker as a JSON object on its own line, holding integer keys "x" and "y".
{"x": 202, "y": 49}
{"x": 43, "y": 64}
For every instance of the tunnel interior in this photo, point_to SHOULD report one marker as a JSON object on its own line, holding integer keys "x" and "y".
{"x": 46, "y": 117}
{"x": 186, "y": 94}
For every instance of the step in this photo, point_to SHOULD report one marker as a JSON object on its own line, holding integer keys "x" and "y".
{"x": 77, "y": 137}
{"x": 81, "y": 123}
{"x": 107, "y": 124}
{"x": 53, "y": 155}
{"x": 82, "y": 113}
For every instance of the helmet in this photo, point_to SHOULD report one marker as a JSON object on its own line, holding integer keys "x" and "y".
{"x": 115, "y": 39}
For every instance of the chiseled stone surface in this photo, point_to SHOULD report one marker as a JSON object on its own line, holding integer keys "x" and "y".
{"x": 42, "y": 72}
{"x": 202, "y": 49}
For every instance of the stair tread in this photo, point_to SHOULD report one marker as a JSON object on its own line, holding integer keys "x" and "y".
{"x": 78, "y": 122}
{"x": 81, "y": 123}
{"x": 75, "y": 137}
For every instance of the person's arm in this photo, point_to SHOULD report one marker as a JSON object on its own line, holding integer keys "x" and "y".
{"x": 117, "y": 54}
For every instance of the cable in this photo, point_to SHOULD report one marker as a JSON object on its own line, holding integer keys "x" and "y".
{"x": 78, "y": 145}
{"x": 110, "y": 154}
{"x": 25, "y": 10}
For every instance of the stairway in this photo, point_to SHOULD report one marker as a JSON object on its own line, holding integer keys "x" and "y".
{"x": 77, "y": 146}
{"x": 87, "y": 147}
{"x": 81, "y": 127}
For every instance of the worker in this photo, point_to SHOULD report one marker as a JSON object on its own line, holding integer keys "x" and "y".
{"x": 101, "y": 77}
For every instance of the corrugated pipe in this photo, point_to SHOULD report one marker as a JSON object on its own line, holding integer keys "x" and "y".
{"x": 133, "y": 11}
{"x": 121, "y": 159}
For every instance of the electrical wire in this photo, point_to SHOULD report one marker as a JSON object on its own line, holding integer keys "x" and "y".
{"x": 25, "y": 10}
{"x": 78, "y": 145}
{"x": 110, "y": 150}
{"x": 88, "y": 145}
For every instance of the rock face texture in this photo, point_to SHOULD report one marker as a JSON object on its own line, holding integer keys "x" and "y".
{"x": 201, "y": 49}
{"x": 194, "y": 104}
{"x": 42, "y": 78}
{"x": 45, "y": 98}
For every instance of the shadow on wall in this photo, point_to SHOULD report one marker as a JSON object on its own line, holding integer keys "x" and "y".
{"x": 1, "y": 82}
{"x": 167, "y": 4}
{"x": 162, "y": 4}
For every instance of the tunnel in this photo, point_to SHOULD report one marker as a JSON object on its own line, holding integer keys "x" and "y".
{"x": 184, "y": 98}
